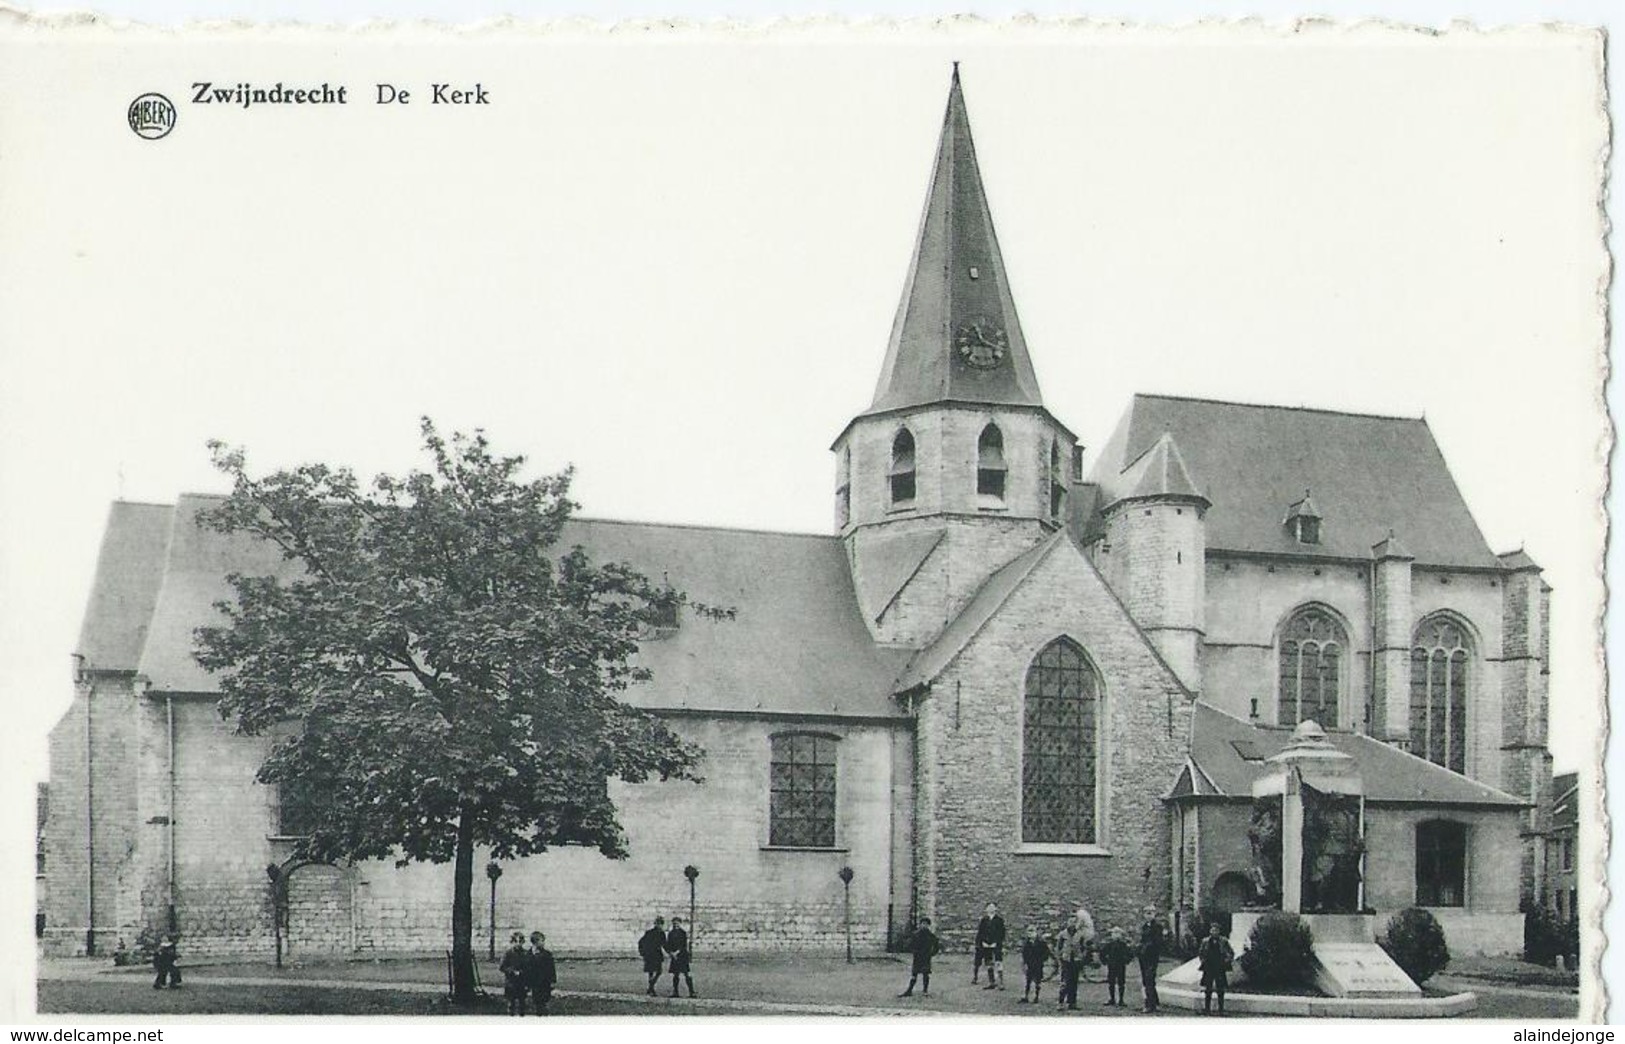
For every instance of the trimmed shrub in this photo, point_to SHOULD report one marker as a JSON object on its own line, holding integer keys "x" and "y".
{"x": 1542, "y": 935}
{"x": 1415, "y": 940}
{"x": 1280, "y": 952}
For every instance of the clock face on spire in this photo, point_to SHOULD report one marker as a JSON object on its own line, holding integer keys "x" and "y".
{"x": 981, "y": 343}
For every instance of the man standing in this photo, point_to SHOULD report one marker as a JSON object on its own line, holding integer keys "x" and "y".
{"x": 923, "y": 945}
{"x": 990, "y": 948}
{"x": 541, "y": 972}
{"x": 677, "y": 946}
{"x": 1153, "y": 937}
{"x": 652, "y": 948}
{"x": 1214, "y": 958}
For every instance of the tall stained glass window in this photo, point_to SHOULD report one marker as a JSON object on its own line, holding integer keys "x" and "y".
{"x": 801, "y": 812}
{"x": 1059, "y": 747}
{"x": 1440, "y": 663}
{"x": 1313, "y": 646}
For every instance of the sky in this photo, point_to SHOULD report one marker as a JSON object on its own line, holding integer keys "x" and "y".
{"x": 672, "y": 261}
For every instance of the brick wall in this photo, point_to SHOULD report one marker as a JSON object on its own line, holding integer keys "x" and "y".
{"x": 968, "y": 845}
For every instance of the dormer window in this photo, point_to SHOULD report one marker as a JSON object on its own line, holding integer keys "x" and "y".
{"x": 990, "y": 468}
{"x": 1303, "y": 520}
{"x": 902, "y": 470}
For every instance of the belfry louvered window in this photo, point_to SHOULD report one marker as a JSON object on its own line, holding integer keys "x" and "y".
{"x": 1059, "y": 747}
{"x": 1313, "y": 646}
{"x": 1440, "y": 663}
{"x": 801, "y": 812}
{"x": 902, "y": 469}
{"x": 990, "y": 468}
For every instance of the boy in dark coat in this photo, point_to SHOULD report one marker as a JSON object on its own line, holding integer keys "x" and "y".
{"x": 652, "y": 948}
{"x": 165, "y": 960}
{"x": 1036, "y": 956}
{"x": 677, "y": 946}
{"x": 514, "y": 966}
{"x": 541, "y": 972}
{"x": 990, "y": 948}
{"x": 1152, "y": 938}
{"x": 923, "y": 945}
{"x": 1115, "y": 954}
{"x": 1214, "y": 958}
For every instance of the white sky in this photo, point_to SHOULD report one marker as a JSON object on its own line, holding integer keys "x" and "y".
{"x": 675, "y": 265}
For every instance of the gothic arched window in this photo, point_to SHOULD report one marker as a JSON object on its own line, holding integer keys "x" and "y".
{"x": 990, "y": 469}
{"x": 902, "y": 469}
{"x": 1059, "y": 747}
{"x": 1440, "y": 658}
{"x": 801, "y": 798}
{"x": 1313, "y": 645}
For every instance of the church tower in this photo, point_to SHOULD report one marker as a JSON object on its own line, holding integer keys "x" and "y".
{"x": 956, "y": 467}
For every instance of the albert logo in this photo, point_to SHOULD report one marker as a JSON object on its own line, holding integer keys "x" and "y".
{"x": 152, "y": 116}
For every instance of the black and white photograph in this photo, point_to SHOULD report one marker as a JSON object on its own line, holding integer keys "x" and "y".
{"x": 950, "y": 519}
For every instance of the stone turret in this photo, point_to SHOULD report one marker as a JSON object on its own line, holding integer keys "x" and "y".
{"x": 1157, "y": 562}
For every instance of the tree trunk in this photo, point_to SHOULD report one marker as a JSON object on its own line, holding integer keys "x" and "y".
{"x": 462, "y": 914}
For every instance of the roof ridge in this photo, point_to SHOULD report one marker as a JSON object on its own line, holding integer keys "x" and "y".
{"x": 1278, "y": 406}
{"x": 1497, "y": 791}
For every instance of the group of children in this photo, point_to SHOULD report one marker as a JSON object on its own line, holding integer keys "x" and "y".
{"x": 1067, "y": 951}
{"x": 657, "y": 944}
{"x": 528, "y": 972}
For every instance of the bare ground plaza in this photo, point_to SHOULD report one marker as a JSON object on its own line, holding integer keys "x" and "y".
{"x": 729, "y": 987}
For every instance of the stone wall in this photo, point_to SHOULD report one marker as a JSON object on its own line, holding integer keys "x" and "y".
{"x": 1494, "y": 850}
{"x": 750, "y": 895}
{"x": 969, "y": 848}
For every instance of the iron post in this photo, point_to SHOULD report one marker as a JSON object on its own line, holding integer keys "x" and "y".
{"x": 493, "y": 871}
{"x": 846, "y": 875}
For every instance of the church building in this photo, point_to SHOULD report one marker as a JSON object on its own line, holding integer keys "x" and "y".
{"x": 1003, "y": 677}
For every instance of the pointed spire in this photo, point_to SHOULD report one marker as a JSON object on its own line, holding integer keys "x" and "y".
{"x": 1160, "y": 472}
{"x": 956, "y": 336}
{"x": 1304, "y": 508}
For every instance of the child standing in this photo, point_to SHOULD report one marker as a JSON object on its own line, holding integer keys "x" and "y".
{"x": 1035, "y": 961}
{"x": 923, "y": 945}
{"x": 166, "y": 961}
{"x": 1116, "y": 954}
{"x": 514, "y": 966}
{"x": 541, "y": 972}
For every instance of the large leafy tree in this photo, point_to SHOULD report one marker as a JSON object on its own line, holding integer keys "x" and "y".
{"x": 439, "y": 673}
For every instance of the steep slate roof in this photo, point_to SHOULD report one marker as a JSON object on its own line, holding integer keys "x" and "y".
{"x": 797, "y": 645}
{"x": 889, "y": 563}
{"x": 989, "y": 598}
{"x": 1221, "y": 743}
{"x": 129, "y": 568}
{"x": 1158, "y": 472}
{"x": 1369, "y": 474}
{"x": 956, "y": 279}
